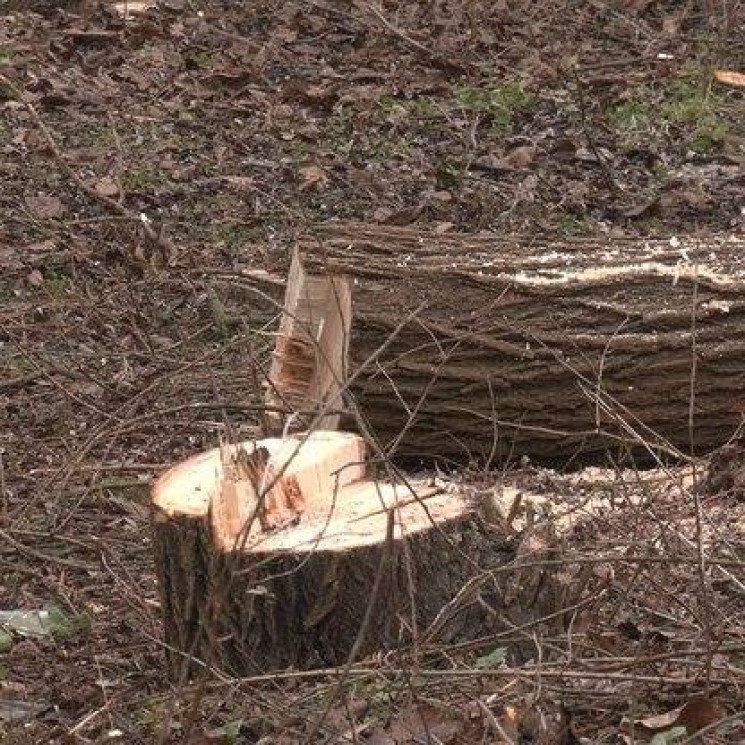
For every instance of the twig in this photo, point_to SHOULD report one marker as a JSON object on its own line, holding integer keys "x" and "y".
{"x": 34, "y": 554}
{"x": 588, "y": 134}
{"x": 437, "y": 59}
{"x": 383, "y": 565}
{"x": 705, "y": 609}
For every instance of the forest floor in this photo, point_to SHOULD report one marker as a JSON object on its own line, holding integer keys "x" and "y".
{"x": 145, "y": 153}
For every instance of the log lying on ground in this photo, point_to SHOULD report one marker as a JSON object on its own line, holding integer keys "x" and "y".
{"x": 545, "y": 349}
{"x": 323, "y": 567}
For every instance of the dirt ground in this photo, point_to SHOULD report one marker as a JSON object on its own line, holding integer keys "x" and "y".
{"x": 144, "y": 158}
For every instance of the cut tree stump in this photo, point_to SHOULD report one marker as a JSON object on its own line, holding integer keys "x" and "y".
{"x": 550, "y": 349}
{"x": 288, "y": 553}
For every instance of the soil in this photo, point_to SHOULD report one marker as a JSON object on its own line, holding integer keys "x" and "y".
{"x": 143, "y": 157}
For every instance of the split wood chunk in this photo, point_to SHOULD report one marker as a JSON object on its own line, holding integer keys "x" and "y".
{"x": 309, "y": 363}
{"x": 279, "y": 485}
{"x": 270, "y": 553}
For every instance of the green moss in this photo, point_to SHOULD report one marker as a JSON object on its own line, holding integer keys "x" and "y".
{"x": 632, "y": 120}
{"x": 154, "y": 713}
{"x": 454, "y": 170}
{"x": 232, "y": 235}
{"x": 389, "y": 147}
{"x": 391, "y": 106}
{"x": 423, "y": 107}
{"x": 62, "y": 626}
{"x": 200, "y": 58}
{"x": 339, "y": 131}
{"x": 56, "y": 283}
{"x": 502, "y": 104}
{"x": 697, "y": 107}
{"x": 688, "y": 110}
{"x": 574, "y": 225}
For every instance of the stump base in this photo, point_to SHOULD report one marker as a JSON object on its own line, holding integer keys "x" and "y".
{"x": 296, "y": 594}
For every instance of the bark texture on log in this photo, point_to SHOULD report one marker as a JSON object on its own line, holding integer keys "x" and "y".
{"x": 541, "y": 348}
{"x": 277, "y": 602}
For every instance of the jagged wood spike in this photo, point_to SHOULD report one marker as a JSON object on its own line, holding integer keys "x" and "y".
{"x": 309, "y": 363}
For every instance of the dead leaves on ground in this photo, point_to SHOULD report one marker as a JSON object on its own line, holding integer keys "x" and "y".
{"x": 313, "y": 177}
{"x": 428, "y": 722}
{"x": 45, "y": 206}
{"x": 106, "y": 187}
{"x": 693, "y": 716}
{"x": 731, "y": 78}
{"x": 483, "y": 720}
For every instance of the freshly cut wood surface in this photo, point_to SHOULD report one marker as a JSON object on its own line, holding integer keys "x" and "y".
{"x": 319, "y": 496}
{"x": 309, "y": 363}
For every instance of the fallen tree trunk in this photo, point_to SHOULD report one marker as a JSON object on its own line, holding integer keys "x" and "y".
{"x": 493, "y": 348}
{"x": 288, "y": 553}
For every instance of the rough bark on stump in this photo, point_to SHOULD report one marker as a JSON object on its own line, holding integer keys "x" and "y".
{"x": 551, "y": 349}
{"x": 286, "y": 599}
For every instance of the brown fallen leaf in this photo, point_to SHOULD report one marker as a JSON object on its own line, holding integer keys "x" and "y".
{"x": 241, "y": 184}
{"x": 106, "y": 187}
{"x": 383, "y": 214}
{"x": 671, "y": 24}
{"x": 520, "y": 157}
{"x": 730, "y": 77}
{"x": 701, "y": 712}
{"x": 45, "y": 206}
{"x": 35, "y": 278}
{"x": 346, "y": 718}
{"x": 314, "y": 177}
{"x": 694, "y": 715}
{"x": 416, "y": 724}
{"x": 378, "y": 737}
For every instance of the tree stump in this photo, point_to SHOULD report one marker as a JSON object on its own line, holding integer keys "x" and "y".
{"x": 288, "y": 553}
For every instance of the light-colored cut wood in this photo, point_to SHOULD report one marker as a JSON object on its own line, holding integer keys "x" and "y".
{"x": 272, "y": 484}
{"x": 309, "y": 363}
{"x": 333, "y": 552}
{"x": 300, "y": 493}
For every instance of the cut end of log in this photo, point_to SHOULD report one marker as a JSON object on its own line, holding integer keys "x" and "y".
{"x": 296, "y": 494}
